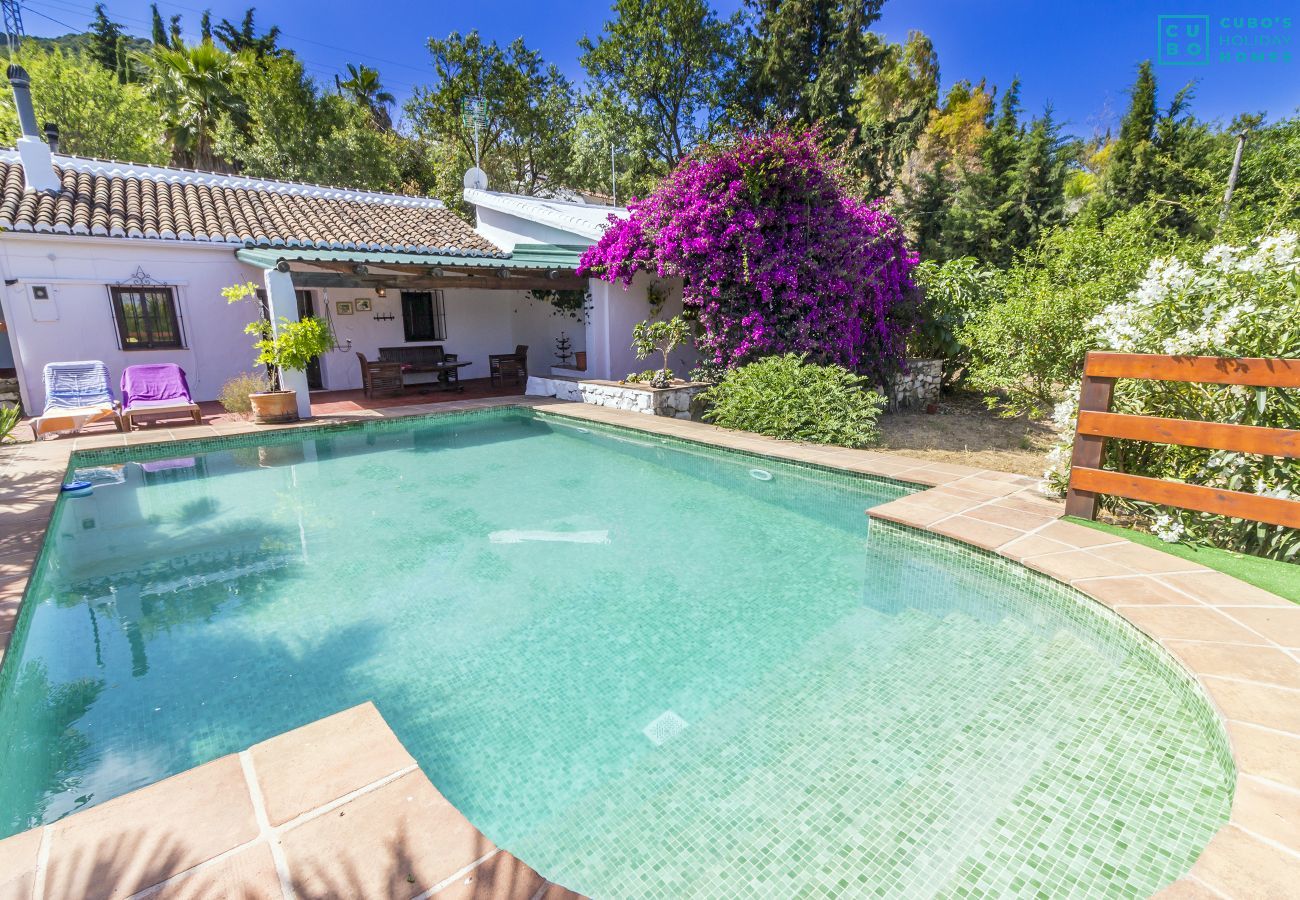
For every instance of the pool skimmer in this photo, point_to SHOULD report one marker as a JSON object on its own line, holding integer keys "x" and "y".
{"x": 666, "y": 727}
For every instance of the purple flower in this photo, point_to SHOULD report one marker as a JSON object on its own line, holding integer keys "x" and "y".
{"x": 775, "y": 255}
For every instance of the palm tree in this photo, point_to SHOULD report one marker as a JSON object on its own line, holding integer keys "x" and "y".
{"x": 195, "y": 87}
{"x": 363, "y": 86}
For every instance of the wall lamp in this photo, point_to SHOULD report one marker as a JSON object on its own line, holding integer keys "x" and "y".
{"x": 381, "y": 291}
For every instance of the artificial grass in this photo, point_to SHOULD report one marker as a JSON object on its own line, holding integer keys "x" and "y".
{"x": 1281, "y": 578}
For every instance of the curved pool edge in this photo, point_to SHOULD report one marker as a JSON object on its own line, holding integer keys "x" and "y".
{"x": 1240, "y": 644}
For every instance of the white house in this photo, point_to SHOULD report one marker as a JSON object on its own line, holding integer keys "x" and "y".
{"x": 125, "y": 263}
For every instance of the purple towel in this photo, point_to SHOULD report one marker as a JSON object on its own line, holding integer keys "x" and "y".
{"x": 154, "y": 383}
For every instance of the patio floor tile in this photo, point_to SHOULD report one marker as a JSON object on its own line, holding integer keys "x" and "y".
{"x": 1145, "y": 560}
{"x": 1239, "y": 865}
{"x": 1134, "y": 590}
{"x": 247, "y": 875}
{"x": 1263, "y": 664}
{"x": 1218, "y": 589}
{"x": 1256, "y": 704}
{"x": 1266, "y": 753}
{"x": 18, "y": 865}
{"x": 310, "y": 766}
{"x": 503, "y": 877}
{"x": 1188, "y": 623}
{"x": 1075, "y": 564}
{"x": 977, "y": 532}
{"x": 139, "y": 839}
{"x": 1280, "y": 623}
{"x": 1268, "y": 811}
{"x": 397, "y": 841}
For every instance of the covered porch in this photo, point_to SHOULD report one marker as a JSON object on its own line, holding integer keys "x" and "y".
{"x": 406, "y": 306}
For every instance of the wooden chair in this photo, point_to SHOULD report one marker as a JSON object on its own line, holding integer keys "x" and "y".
{"x": 380, "y": 378}
{"x": 508, "y": 365}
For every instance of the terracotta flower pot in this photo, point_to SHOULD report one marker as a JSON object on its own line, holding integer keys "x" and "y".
{"x": 274, "y": 407}
{"x": 580, "y": 360}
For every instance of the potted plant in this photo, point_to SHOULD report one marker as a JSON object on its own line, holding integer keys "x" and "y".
{"x": 292, "y": 346}
{"x": 658, "y": 337}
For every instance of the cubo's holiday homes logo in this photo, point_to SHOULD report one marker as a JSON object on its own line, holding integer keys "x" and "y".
{"x": 1199, "y": 40}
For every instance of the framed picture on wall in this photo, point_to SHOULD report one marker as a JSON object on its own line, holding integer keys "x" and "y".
{"x": 363, "y": 304}
{"x": 343, "y": 307}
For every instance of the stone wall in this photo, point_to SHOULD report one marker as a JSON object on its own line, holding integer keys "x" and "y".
{"x": 674, "y": 401}
{"x": 9, "y": 392}
{"x": 918, "y": 386}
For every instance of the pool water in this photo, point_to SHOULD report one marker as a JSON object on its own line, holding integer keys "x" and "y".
{"x": 644, "y": 667}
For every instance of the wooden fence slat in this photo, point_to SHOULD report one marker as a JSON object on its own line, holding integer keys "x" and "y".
{"x": 1187, "y": 433}
{"x": 1252, "y": 372}
{"x": 1237, "y": 504}
{"x": 1095, "y": 394}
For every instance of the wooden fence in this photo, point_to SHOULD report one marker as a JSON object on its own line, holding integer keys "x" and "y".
{"x": 1088, "y": 480}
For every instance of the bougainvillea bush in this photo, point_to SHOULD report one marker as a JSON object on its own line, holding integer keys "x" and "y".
{"x": 775, "y": 254}
{"x": 1236, "y": 301}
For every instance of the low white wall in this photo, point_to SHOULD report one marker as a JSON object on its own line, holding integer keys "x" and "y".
{"x": 616, "y": 309}
{"x": 672, "y": 402}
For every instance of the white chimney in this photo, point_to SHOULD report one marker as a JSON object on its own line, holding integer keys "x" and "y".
{"x": 38, "y": 162}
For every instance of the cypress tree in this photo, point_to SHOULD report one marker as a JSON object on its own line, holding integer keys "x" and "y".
{"x": 158, "y": 32}
{"x": 1128, "y": 177}
{"x": 105, "y": 40}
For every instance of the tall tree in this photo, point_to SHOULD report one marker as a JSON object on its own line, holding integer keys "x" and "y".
{"x": 893, "y": 108}
{"x": 195, "y": 87}
{"x": 527, "y": 113}
{"x": 244, "y": 36}
{"x": 364, "y": 87}
{"x": 158, "y": 30}
{"x": 106, "y": 43}
{"x": 1128, "y": 175}
{"x": 805, "y": 58}
{"x": 659, "y": 73}
{"x": 205, "y": 25}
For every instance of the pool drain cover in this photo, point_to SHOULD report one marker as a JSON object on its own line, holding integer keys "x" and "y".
{"x": 665, "y": 728}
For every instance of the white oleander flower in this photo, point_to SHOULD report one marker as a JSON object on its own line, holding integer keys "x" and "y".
{"x": 1168, "y": 529}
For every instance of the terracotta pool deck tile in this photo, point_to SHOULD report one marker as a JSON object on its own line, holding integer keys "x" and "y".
{"x": 318, "y": 763}
{"x": 1237, "y": 864}
{"x": 1187, "y": 623}
{"x": 1031, "y": 503}
{"x": 1280, "y": 623}
{"x": 1011, "y": 518}
{"x": 1031, "y": 544}
{"x": 399, "y": 840}
{"x": 1073, "y": 565}
{"x": 1269, "y": 811}
{"x": 1078, "y": 536}
{"x": 139, "y": 839}
{"x": 1146, "y": 560}
{"x": 503, "y": 877}
{"x": 1265, "y": 753}
{"x": 1264, "y": 664}
{"x": 974, "y": 531}
{"x": 1133, "y": 590}
{"x": 1217, "y": 589}
{"x": 1186, "y": 889}
{"x": 908, "y": 512}
{"x": 248, "y": 874}
{"x": 1256, "y": 704}
{"x": 18, "y": 856}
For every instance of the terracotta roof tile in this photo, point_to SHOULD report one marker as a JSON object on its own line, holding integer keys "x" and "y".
{"x": 128, "y": 200}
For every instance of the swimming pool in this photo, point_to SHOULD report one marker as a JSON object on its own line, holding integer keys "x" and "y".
{"x": 645, "y": 667}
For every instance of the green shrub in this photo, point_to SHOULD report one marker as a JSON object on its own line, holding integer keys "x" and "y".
{"x": 952, "y": 293}
{"x": 786, "y": 397}
{"x": 1236, "y": 301}
{"x": 1029, "y": 344}
{"x": 234, "y": 393}
{"x": 9, "y": 416}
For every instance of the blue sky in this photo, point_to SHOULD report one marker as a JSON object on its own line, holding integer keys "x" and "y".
{"x": 1078, "y": 56}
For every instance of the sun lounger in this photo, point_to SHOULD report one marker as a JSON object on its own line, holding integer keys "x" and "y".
{"x": 76, "y": 394}
{"x": 158, "y": 390}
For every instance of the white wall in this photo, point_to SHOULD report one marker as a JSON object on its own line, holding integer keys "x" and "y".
{"x": 77, "y": 272}
{"x": 616, "y": 310}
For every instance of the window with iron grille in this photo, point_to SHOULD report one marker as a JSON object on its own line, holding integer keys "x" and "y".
{"x": 146, "y": 317}
{"x": 423, "y": 316}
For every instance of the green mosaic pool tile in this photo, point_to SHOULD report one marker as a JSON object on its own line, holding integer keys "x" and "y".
{"x": 879, "y": 713}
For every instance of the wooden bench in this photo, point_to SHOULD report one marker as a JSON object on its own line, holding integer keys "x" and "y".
{"x": 425, "y": 360}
